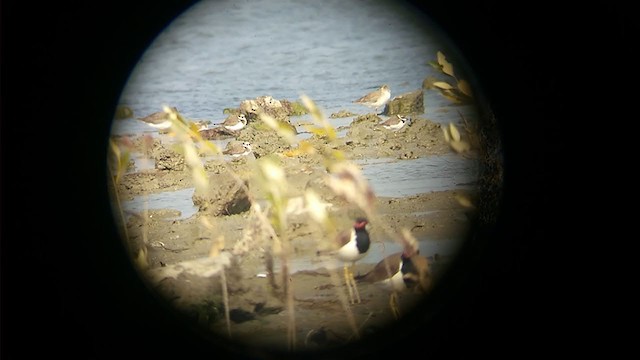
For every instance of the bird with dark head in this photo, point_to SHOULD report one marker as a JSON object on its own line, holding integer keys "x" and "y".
{"x": 399, "y": 272}
{"x": 235, "y": 122}
{"x": 350, "y": 246}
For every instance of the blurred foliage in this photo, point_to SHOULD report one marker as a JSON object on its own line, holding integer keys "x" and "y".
{"x": 123, "y": 112}
{"x": 298, "y": 109}
{"x": 269, "y": 224}
{"x": 458, "y": 91}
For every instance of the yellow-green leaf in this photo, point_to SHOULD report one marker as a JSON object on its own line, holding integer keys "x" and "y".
{"x": 464, "y": 201}
{"x": 271, "y": 171}
{"x": 200, "y": 178}
{"x": 465, "y": 88}
{"x": 193, "y": 127}
{"x": 191, "y": 155}
{"x": 446, "y": 134}
{"x": 306, "y": 148}
{"x": 449, "y": 94}
{"x": 141, "y": 260}
{"x": 114, "y": 148}
{"x": 317, "y": 209}
{"x": 209, "y": 147}
{"x": 435, "y": 65}
{"x": 442, "y": 85}
{"x": 319, "y": 119}
{"x": 447, "y": 68}
{"x": 455, "y": 134}
{"x": 282, "y": 129}
{"x": 460, "y": 146}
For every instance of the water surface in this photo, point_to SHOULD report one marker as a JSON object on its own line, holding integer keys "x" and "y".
{"x": 219, "y": 53}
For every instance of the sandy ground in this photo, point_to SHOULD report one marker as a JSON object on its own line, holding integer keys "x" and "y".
{"x": 258, "y": 313}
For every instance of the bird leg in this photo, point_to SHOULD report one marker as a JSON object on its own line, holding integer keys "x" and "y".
{"x": 346, "y": 279}
{"x": 351, "y": 285}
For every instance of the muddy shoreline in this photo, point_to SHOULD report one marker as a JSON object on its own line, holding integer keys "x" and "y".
{"x": 258, "y": 315}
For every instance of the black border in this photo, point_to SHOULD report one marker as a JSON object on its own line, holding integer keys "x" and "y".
{"x": 63, "y": 65}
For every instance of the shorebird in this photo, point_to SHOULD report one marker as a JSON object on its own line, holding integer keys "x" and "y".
{"x": 353, "y": 244}
{"x": 158, "y": 120}
{"x": 395, "y": 123}
{"x": 237, "y": 149}
{"x": 376, "y": 98}
{"x": 202, "y": 124}
{"x": 399, "y": 272}
{"x": 235, "y": 122}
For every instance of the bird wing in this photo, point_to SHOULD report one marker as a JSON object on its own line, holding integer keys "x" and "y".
{"x": 380, "y": 271}
{"x": 155, "y": 117}
{"x": 369, "y": 97}
{"x": 231, "y": 120}
{"x": 344, "y": 237}
{"x": 231, "y": 148}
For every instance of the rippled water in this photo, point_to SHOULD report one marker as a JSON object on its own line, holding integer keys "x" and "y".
{"x": 377, "y": 252}
{"x": 174, "y": 200}
{"x": 220, "y": 53}
{"x": 390, "y": 177}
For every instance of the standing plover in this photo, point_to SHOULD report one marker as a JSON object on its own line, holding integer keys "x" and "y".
{"x": 235, "y": 122}
{"x": 395, "y": 123}
{"x": 158, "y": 120}
{"x": 237, "y": 149}
{"x": 376, "y": 98}
{"x": 406, "y": 270}
{"x": 353, "y": 244}
{"x": 399, "y": 272}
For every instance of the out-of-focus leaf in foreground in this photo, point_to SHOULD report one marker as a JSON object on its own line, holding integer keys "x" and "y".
{"x": 346, "y": 180}
{"x": 446, "y": 66}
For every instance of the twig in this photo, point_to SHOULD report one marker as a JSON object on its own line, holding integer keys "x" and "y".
{"x": 225, "y": 299}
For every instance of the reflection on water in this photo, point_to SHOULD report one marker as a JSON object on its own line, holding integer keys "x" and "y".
{"x": 210, "y": 59}
{"x": 175, "y": 200}
{"x": 388, "y": 178}
{"x": 394, "y": 178}
{"x": 377, "y": 252}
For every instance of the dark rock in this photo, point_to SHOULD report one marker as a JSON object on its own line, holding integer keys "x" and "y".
{"x": 263, "y": 310}
{"x": 324, "y": 337}
{"x": 224, "y": 197}
{"x": 407, "y": 103}
{"x": 239, "y": 316}
{"x": 205, "y": 313}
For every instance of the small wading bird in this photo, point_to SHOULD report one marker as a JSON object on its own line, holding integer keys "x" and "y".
{"x": 235, "y": 122}
{"x": 399, "y": 272}
{"x": 158, "y": 120}
{"x": 376, "y": 98}
{"x": 237, "y": 149}
{"x": 395, "y": 123}
{"x": 353, "y": 244}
